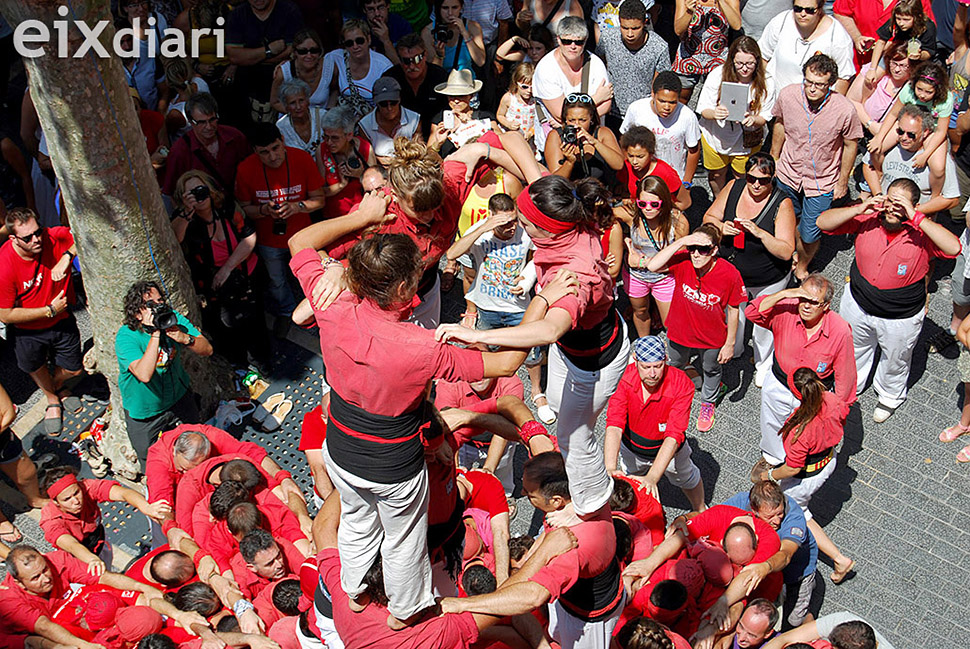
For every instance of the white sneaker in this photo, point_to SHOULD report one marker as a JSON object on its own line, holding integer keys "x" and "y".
{"x": 760, "y": 376}
{"x": 882, "y": 413}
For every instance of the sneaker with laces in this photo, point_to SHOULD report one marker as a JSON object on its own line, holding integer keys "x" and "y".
{"x": 705, "y": 419}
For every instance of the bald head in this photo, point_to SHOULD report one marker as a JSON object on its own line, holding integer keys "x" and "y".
{"x": 756, "y": 623}
{"x": 740, "y": 543}
{"x": 30, "y": 569}
{"x": 171, "y": 568}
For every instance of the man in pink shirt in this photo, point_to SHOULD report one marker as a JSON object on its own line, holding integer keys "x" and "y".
{"x": 584, "y": 583}
{"x": 808, "y": 334}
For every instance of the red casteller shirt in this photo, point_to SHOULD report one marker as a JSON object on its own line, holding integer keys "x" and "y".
{"x": 187, "y": 153}
{"x": 596, "y": 539}
{"x": 56, "y": 522}
{"x": 487, "y": 493}
{"x": 137, "y": 570}
{"x": 160, "y": 473}
{"x": 822, "y": 432}
{"x": 712, "y": 523}
{"x": 698, "y": 310}
{"x": 291, "y": 182}
{"x": 459, "y": 394}
{"x": 27, "y": 283}
{"x": 20, "y": 610}
{"x": 368, "y": 629}
{"x": 829, "y": 352}
{"x": 251, "y": 584}
{"x": 647, "y": 510}
{"x": 663, "y": 414}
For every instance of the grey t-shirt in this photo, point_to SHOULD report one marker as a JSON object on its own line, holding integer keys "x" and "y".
{"x": 637, "y": 67}
{"x": 827, "y": 623}
{"x": 898, "y": 164}
{"x": 755, "y": 14}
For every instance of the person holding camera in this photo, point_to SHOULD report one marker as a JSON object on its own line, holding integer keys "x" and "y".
{"x": 581, "y": 148}
{"x": 458, "y": 44}
{"x": 153, "y": 382}
{"x": 219, "y": 244}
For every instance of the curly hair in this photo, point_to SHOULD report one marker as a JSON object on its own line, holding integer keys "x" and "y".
{"x": 643, "y": 633}
{"x": 135, "y": 302}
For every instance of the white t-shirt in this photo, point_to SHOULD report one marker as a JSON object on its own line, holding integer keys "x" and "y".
{"x": 898, "y": 164}
{"x": 293, "y": 139}
{"x": 725, "y": 137}
{"x": 382, "y": 143}
{"x": 499, "y": 263}
{"x": 675, "y": 134}
{"x": 549, "y": 82}
{"x": 782, "y": 46}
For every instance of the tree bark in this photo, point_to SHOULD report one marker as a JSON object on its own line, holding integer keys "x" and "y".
{"x": 110, "y": 193}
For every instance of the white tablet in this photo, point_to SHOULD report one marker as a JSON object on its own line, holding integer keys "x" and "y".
{"x": 734, "y": 97}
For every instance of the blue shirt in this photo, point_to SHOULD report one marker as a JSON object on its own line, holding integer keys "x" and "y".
{"x": 794, "y": 528}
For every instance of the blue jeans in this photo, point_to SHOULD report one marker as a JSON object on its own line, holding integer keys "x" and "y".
{"x": 807, "y": 210}
{"x": 279, "y": 292}
{"x": 501, "y": 319}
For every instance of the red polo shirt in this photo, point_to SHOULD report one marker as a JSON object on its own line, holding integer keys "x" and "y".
{"x": 27, "y": 283}
{"x": 822, "y": 432}
{"x": 20, "y": 610}
{"x": 829, "y": 352}
{"x": 647, "y": 420}
{"x": 160, "y": 473}
{"x": 188, "y": 153}
{"x": 487, "y": 493}
{"x": 459, "y": 394}
{"x": 291, "y": 182}
{"x": 890, "y": 261}
{"x": 698, "y": 310}
{"x": 714, "y": 522}
{"x": 251, "y": 584}
{"x": 55, "y": 522}
{"x": 648, "y": 510}
{"x": 194, "y": 486}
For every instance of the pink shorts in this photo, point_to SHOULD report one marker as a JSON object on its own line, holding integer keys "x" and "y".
{"x": 662, "y": 290}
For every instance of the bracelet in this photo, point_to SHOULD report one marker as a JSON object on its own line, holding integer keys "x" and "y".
{"x": 50, "y": 311}
{"x": 544, "y": 299}
{"x": 330, "y": 261}
{"x": 168, "y": 525}
{"x": 473, "y": 315}
{"x": 687, "y": 184}
{"x": 241, "y": 606}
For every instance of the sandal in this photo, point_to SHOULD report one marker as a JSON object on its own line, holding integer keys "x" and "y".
{"x": 13, "y": 536}
{"x": 53, "y": 425}
{"x": 940, "y": 341}
{"x": 281, "y": 412}
{"x": 964, "y": 455}
{"x": 546, "y": 414}
{"x": 838, "y": 576}
{"x": 72, "y": 404}
{"x": 264, "y": 409}
{"x": 953, "y": 432}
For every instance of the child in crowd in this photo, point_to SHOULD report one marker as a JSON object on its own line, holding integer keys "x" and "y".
{"x": 639, "y": 145}
{"x": 516, "y": 111}
{"x": 909, "y": 26}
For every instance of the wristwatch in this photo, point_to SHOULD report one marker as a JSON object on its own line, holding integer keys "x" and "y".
{"x": 269, "y": 52}
{"x": 302, "y": 206}
{"x": 191, "y": 341}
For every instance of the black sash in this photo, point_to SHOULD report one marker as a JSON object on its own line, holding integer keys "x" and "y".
{"x": 828, "y": 381}
{"x": 594, "y": 348}
{"x": 889, "y": 303}
{"x": 593, "y": 599}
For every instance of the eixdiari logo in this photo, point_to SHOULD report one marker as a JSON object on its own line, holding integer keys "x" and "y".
{"x": 30, "y": 36}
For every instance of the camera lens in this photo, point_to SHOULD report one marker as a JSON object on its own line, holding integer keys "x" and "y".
{"x": 200, "y": 193}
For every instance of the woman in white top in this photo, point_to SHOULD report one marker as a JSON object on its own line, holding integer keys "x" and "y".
{"x": 301, "y": 125}
{"x": 305, "y": 64}
{"x": 355, "y": 68}
{"x": 729, "y": 143}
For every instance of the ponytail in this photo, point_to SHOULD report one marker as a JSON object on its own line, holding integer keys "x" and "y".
{"x": 811, "y": 389}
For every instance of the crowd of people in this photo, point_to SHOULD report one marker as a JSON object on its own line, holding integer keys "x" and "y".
{"x": 543, "y": 154}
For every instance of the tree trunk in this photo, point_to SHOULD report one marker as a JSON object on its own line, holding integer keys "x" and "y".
{"x": 110, "y": 192}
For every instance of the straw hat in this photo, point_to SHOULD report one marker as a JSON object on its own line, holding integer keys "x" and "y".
{"x": 460, "y": 82}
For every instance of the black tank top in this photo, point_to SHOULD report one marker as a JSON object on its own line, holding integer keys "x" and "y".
{"x": 757, "y": 266}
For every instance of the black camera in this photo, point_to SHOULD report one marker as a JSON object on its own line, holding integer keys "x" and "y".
{"x": 570, "y": 135}
{"x": 200, "y": 193}
{"x": 163, "y": 317}
{"x": 443, "y": 34}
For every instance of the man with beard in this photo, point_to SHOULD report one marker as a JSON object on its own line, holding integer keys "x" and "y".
{"x": 886, "y": 297}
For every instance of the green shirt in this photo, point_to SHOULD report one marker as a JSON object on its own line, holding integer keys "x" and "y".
{"x": 168, "y": 384}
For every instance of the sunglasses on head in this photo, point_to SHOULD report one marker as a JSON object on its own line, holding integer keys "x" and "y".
{"x": 811, "y": 11}
{"x": 27, "y": 238}
{"x": 389, "y": 103}
{"x": 308, "y": 50}
{"x": 350, "y": 42}
{"x": 653, "y": 205}
{"x": 704, "y": 250}
{"x": 412, "y": 60}
{"x": 757, "y": 180}
{"x": 572, "y": 41}
{"x": 901, "y": 132}
{"x": 579, "y": 98}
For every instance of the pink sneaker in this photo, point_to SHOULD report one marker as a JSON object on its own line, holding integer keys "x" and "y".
{"x": 705, "y": 419}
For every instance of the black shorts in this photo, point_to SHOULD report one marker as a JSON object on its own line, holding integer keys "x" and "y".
{"x": 34, "y": 347}
{"x": 10, "y": 447}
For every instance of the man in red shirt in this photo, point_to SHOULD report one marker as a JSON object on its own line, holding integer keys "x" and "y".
{"x": 262, "y": 560}
{"x": 646, "y": 424}
{"x": 278, "y": 186}
{"x": 584, "y": 583}
{"x": 35, "y": 291}
{"x": 885, "y": 301}
{"x": 805, "y": 333}
{"x": 210, "y": 147}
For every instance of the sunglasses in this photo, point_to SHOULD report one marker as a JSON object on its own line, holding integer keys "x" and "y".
{"x": 653, "y": 205}
{"x": 757, "y": 180}
{"x": 703, "y": 250}
{"x": 309, "y": 50}
{"x": 572, "y": 41}
{"x": 811, "y": 11}
{"x": 579, "y": 98}
{"x": 27, "y": 238}
{"x": 910, "y": 134}
{"x": 205, "y": 122}
{"x": 412, "y": 60}
{"x": 388, "y": 103}
{"x": 350, "y": 42}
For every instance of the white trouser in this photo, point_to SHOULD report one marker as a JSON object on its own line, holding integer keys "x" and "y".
{"x": 428, "y": 313}
{"x": 390, "y": 519}
{"x": 802, "y": 489}
{"x": 762, "y": 340}
{"x": 777, "y": 405}
{"x": 682, "y": 472}
{"x": 469, "y": 455}
{"x": 896, "y": 339}
{"x": 578, "y": 397}
{"x": 572, "y": 633}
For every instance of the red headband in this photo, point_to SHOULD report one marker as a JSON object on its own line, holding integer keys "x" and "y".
{"x": 63, "y": 483}
{"x": 538, "y": 218}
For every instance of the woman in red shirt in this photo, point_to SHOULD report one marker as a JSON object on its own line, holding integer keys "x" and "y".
{"x": 810, "y": 436}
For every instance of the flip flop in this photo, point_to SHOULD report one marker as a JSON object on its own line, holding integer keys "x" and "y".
{"x": 838, "y": 576}
{"x": 52, "y": 425}
{"x": 953, "y": 432}
{"x": 964, "y": 454}
{"x": 275, "y": 420}
{"x": 12, "y": 537}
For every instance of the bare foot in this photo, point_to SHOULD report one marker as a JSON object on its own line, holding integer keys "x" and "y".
{"x": 355, "y": 605}
{"x": 843, "y": 566}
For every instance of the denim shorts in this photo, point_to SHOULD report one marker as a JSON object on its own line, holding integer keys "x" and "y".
{"x": 500, "y": 319}
{"x": 807, "y": 211}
